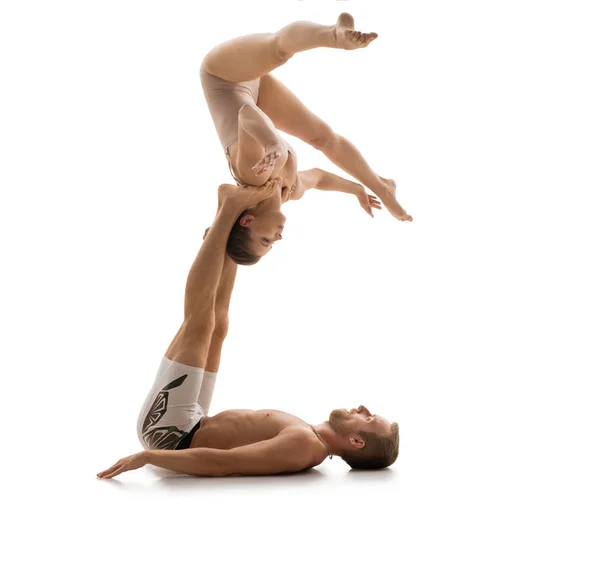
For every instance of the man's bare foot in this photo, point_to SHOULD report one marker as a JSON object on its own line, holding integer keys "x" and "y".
{"x": 247, "y": 195}
{"x": 224, "y": 192}
{"x": 345, "y": 37}
{"x": 390, "y": 202}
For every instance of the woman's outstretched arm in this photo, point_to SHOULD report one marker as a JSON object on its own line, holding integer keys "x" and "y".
{"x": 326, "y": 181}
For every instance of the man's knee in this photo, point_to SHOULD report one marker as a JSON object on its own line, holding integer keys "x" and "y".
{"x": 221, "y": 328}
{"x": 323, "y": 137}
{"x": 199, "y": 327}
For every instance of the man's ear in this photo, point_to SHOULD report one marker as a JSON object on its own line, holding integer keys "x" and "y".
{"x": 246, "y": 220}
{"x": 357, "y": 442}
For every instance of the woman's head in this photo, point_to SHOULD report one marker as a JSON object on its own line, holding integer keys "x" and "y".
{"x": 254, "y": 233}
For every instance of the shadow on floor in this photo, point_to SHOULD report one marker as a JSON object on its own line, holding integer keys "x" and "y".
{"x": 178, "y": 481}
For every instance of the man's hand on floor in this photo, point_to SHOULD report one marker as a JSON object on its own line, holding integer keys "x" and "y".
{"x": 132, "y": 462}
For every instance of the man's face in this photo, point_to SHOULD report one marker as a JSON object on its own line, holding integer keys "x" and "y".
{"x": 349, "y": 423}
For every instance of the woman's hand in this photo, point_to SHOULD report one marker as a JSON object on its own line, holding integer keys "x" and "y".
{"x": 246, "y": 196}
{"x": 273, "y": 153}
{"x": 132, "y": 462}
{"x": 368, "y": 202}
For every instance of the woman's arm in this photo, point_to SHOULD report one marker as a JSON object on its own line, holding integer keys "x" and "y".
{"x": 258, "y": 125}
{"x": 326, "y": 181}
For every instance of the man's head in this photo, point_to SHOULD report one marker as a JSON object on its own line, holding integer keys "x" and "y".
{"x": 254, "y": 233}
{"x": 369, "y": 441}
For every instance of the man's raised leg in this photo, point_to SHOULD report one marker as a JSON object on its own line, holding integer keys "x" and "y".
{"x": 192, "y": 342}
{"x": 213, "y": 360}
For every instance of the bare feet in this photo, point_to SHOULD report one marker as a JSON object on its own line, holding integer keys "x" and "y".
{"x": 247, "y": 195}
{"x": 345, "y": 37}
{"x": 390, "y": 202}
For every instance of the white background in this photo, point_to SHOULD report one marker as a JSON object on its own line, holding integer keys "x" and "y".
{"x": 476, "y": 327}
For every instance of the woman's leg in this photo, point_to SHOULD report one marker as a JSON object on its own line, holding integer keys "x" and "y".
{"x": 249, "y": 57}
{"x": 290, "y": 115}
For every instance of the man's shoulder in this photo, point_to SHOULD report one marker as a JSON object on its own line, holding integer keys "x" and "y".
{"x": 306, "y": 445}
{"x": 298, "y": 433}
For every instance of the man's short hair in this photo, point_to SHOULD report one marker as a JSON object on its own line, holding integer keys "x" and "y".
{"x": 380, "y": 451}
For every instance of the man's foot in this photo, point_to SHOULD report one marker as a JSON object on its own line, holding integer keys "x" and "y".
{"x": 247, "y": 195}
{"x": 225, "y": 191}
{"x": 345, "y": 37}
{"x": 390, "y": 202}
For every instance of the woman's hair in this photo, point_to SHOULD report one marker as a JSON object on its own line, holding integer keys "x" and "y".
{"x": 379, "y": 451}
{"x": 237, "y": 243}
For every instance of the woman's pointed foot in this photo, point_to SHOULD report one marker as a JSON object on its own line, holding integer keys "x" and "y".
{"x": 390, "y": 202}
{"x": 346, "y": 37}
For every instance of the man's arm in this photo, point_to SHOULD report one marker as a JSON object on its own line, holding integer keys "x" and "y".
{"x": 326, "y": 181}
{"x": 290, "y": 451}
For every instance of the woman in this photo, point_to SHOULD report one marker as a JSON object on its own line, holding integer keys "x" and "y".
{"x": 249, "y": 106}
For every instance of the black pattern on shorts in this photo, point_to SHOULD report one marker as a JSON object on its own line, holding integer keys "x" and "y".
{"x": 162, "y": 437}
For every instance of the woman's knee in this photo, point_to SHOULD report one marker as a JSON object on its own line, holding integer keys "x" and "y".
{"x": 280, "y": 51}
{"x": 322, "y": 137}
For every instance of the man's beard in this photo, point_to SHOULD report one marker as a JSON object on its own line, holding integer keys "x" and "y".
{"x": 337, "y": 421}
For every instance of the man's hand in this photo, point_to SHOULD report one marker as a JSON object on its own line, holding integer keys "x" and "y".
{"x": 367, "y": 202}
{"x": 132, "y": 462}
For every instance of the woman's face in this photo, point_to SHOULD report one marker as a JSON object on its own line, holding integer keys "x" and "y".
{"x": 265, "y": 230}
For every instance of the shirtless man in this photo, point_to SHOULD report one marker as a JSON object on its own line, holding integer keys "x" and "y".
{"x": 173, "y": 425}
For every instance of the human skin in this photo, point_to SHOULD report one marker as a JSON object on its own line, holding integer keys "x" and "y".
{"x": 258, "y": 154}
{"x": 240, "y": 441}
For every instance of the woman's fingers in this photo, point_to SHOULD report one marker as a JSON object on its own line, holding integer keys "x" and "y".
{"x": 374, "y": 202}
{"x": 268, "y": 161}
{"x": 272, "y": 185}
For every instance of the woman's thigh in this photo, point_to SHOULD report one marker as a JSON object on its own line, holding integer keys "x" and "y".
{"x": 290, "y": 115}
{"x": 245, "y": 58}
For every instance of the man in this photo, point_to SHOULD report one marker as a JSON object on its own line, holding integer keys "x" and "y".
{"x": 174, "y": 426}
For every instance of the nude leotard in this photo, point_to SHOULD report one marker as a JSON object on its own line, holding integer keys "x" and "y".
{"x": 224, "y": 101}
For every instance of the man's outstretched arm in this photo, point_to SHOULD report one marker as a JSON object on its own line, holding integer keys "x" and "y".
{"x": 290, "y": 451}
